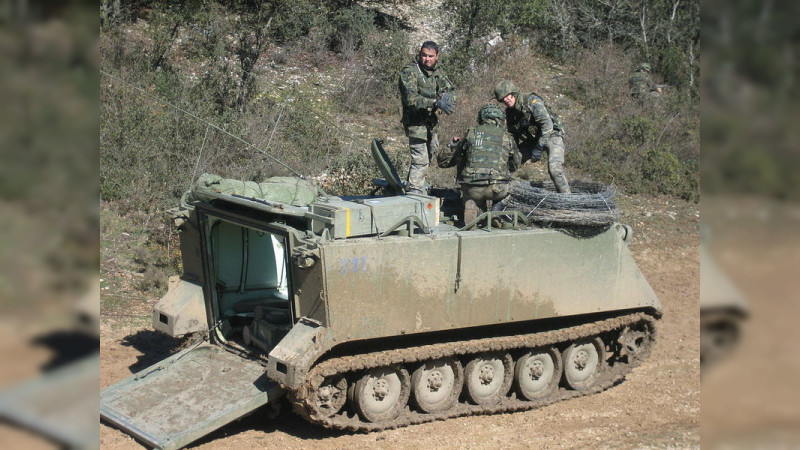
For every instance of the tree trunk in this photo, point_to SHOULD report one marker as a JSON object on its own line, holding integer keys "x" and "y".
{"x": 643, "y": 25}
{"x": 672, "y": 20}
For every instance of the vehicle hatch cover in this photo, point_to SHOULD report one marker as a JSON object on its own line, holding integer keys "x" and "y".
{"x": 386, "y": 167}
{"x": 187, "y": 396}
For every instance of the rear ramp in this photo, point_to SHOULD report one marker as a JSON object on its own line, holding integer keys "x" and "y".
{"x": 187, "y": 396}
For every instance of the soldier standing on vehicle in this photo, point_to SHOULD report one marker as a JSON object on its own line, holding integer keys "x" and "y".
{"x": 641, "y": 84}
{"x": 485, "y": 157}
{"x": 424, "y": 90}
{"x": 535, "y": 129}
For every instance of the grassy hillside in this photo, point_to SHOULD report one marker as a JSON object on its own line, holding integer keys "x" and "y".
{"x": 188, "y": 89}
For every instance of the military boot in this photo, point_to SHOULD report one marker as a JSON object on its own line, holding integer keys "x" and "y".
{"x": 470, "y": 211}
{"x": 562, "y": 185}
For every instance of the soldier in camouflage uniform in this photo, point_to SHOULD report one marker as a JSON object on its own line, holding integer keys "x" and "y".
{"x": 424, "y": 90}
{"x": 485, "y": 158}
{"x": 535, "y": 129}
{"x": 641, "y": 84}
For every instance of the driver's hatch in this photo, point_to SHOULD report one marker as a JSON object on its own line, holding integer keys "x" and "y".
{"x": 187, "y": 396}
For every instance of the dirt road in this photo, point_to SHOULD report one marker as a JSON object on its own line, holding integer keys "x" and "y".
{"x": 657, "y": 405}
{"x": 751, "y": 399}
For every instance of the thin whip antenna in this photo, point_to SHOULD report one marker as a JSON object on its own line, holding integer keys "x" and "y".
{"x": 275, "y": 127}
{"x": 249, "y": 144}
{"x": 199, "y": 156}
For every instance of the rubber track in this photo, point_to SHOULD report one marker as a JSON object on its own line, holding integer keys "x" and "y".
{"x": 303, "y": 397}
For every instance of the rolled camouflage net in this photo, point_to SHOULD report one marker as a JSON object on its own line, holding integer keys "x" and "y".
{"x": 589, "y": 204}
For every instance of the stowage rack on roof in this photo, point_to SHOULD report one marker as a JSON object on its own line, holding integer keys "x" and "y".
{"x": 589, "y": 204}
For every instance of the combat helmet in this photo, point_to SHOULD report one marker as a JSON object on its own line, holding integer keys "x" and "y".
{"x": 503, "y": 88}
{"x": 490, "y": 111}
{"x": 644, "y": 66}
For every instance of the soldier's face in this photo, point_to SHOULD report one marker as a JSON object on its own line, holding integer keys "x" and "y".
{"x": 509, "y": 100}
{"x": 428, "y": 57}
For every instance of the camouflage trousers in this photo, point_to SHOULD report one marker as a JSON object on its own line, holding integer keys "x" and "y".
{"x": 475, "y": 197}
{"x": 555, "y": 159}
{"x": 422, "y": 152}
{"x": 555, "y": 163}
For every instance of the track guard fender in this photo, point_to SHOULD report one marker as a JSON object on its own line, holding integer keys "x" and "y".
{"x": 290, "y": 360}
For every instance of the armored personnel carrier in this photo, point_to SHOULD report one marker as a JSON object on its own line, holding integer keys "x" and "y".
{"x": 377, "y": 312}
{"x": 722, "y": 309}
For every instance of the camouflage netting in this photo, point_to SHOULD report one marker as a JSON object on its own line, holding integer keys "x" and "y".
{"x": 589, "y": 204}
{"x": 288, "y": 190}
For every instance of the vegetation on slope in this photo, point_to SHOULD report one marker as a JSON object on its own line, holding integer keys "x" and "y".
{"x": 210, "y": 86}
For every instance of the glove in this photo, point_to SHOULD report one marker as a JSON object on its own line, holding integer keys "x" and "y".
{"x": 445, "y": 103}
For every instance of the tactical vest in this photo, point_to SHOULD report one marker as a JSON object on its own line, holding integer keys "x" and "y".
{"x": 558, "y": 124}
{"x": 521, "y": 123}
{"x": 486, "y": 159}
{"x": 428, "y": 87}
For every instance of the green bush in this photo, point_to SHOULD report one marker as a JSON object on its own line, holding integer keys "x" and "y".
{"x": 372, "y": 88}
{"x": 293, "y": 19}
{"x": 350, "y": 28}
{"x": 308, "y": 134}
{"x": 388, "y": 53}
{"x": 351, "y": 174}
{"x": 637, "y": 130}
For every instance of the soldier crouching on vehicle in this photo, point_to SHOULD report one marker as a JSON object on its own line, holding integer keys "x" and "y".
{"x": 424, "y": 90}
{"x": 535, "y": 129}
{"x": 485, "y": 157}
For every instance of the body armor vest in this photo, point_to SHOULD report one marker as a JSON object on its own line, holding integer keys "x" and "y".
{"x": 486, "y": 159}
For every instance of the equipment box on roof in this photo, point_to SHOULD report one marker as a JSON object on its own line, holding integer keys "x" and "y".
{"x": 361, "y": 217}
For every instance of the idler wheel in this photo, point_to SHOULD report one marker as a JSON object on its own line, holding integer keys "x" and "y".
{"x": 719, "y": 334}
{"x": 382, "y": 393}
{"x": 330, "y": 396}
{"x": 537, "y": 373}
{"x": 583, "y": 362}
{"x": 635, "y": 341}
{"x": 488, "y": 378}
{"x": 436, "y": 384}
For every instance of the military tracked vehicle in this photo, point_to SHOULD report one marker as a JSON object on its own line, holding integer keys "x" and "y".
{"x": 376, "y": 312}
{"x": 722, "y": 310}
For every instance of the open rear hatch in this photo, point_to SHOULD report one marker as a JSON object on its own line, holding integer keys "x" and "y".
{"x": 187, "y": 396}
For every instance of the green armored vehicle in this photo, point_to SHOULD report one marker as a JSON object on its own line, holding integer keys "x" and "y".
{"x": 376, "y": 312}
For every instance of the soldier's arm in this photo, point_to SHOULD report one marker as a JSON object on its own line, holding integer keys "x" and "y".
{"x": 514, "y": 157}
{"x": 410, "y": 93}
{"x": 649, "y": 82}
{"x": 541, "y": 118}
{"x": 453, "y": 154}
{"x": 446, "y": 86}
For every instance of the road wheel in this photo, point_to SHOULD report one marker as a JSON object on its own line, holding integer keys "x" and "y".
{"x": 583, "y": 362}
{"x": 381, "y": 394}
{"x": 436, "y": 384}
{"x": 488, "y": 378}
{"x": 537, "y": 373}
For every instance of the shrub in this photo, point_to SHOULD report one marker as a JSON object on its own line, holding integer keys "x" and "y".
{"x": 374, "y": 88}
{"x": 350, "y": 174}
{"x": 350, "y": 28}
{"x": 293, "y": 19}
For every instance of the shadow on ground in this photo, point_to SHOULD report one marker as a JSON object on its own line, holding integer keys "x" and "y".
{"x": 67, "y": 347}
{"x": 261, "y": 421}
{"x": 153, "y": 345}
